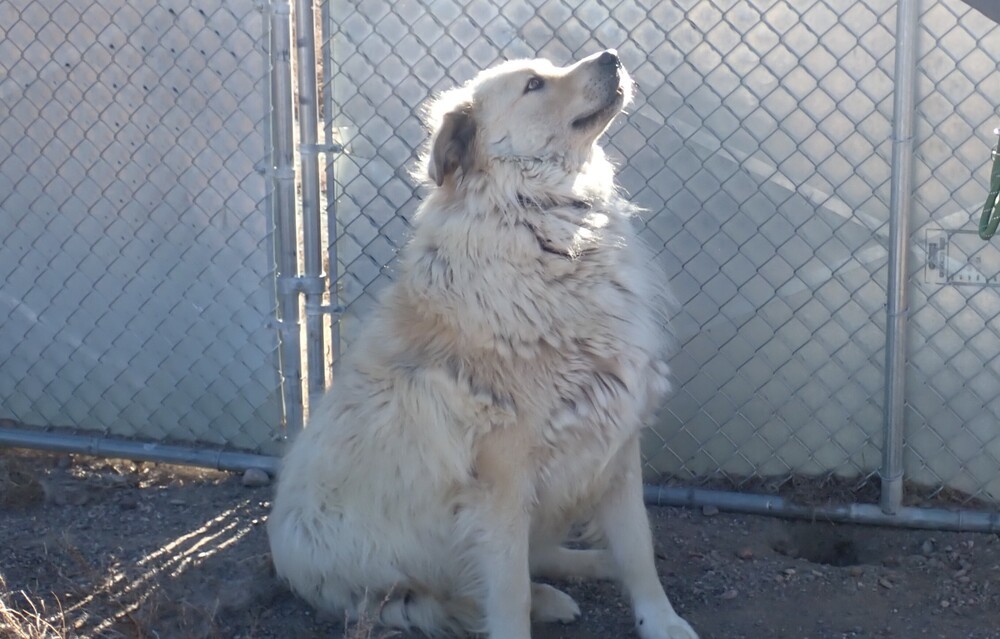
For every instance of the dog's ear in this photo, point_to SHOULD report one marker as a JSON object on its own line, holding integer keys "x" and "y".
{"x": 453, "y": 145}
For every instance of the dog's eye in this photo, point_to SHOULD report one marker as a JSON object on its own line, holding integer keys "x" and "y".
{"x": 534, "y": 84}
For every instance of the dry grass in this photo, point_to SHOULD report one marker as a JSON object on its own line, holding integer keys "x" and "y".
{"x": 192, "y": 580}
{"x": 366, "y": 625}
{"x": 105, "y": 600}
{"x": 30, "y": 620}
{"x": 23, "y": 616}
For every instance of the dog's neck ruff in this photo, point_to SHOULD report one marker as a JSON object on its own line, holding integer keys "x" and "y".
{"x": 526, "y": 201}
{"x": 570, "y": 162}
{"x": 542, "y": 175}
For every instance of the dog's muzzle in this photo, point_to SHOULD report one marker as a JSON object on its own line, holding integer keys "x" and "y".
{"x": 608, "y": 87}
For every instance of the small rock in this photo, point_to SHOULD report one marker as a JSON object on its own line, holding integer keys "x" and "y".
{"x": 916, "y": 560}
{"x": 729, "y": 594}
{"x": 746, "y": 554}
{"x": 927, "y": 547}
{"x": 177, "y": 502}
{"x": 788, "y": 572}
{"x": 709, "y": 511}
{"x": 855, "y": 571}
{"x": 885, "y": 583}
{"x": 945, "y": 603}
{"x": 255, "y": 478}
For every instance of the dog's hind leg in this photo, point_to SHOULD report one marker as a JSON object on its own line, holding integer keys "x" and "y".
{"x": 421, "y": 612}
{"x": 623, "y": 519}
{"x": 549, "y": 604}
{"x": 558, "y": 562}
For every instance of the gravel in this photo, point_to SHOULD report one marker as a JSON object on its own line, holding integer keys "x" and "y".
{"x": 143, "y": 550}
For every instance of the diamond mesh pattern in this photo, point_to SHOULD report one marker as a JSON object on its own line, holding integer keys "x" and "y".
{"x": 137, "y": 259}
{"x": 760, "y": 145}
{"x": 952, "y": 438}
{"x": 137, "y": 288}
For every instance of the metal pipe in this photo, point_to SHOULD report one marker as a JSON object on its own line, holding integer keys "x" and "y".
{"x": 331, "y": 183}
{"x": 904, "y": 517}
{"x": 285, "y": 234}
{"x": 100, "y": 446}
{"x": 312, "y": 251}
{"x": 900, "y": 199}
{"x": 908, "y": 517}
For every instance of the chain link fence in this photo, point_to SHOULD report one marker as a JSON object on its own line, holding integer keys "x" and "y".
{"x": 137, "y": 296}
{"x": 760, "y": 145}
{"x": 153, "y": 257}
{"x": 953, "y": 373}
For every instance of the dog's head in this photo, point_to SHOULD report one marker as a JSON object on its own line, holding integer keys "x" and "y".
{"x": 526, "y": 110}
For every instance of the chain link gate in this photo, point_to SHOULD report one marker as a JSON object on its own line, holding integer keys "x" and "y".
{"x": 760, "y": 145}
{"x": 137, "y": 296}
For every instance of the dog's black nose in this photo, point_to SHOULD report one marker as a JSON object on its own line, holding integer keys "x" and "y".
{"x": 609, "y": 58}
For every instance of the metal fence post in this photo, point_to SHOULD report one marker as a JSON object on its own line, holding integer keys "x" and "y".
{"x": 331, "y": 182}
{"x": 284, "y": 214}
{"x": 313, "y": 283}
{"x": 901, "y": 189}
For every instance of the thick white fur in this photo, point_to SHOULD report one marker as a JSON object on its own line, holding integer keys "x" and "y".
{"x": 496, "y": 395}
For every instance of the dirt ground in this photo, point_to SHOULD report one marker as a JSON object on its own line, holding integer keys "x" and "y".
{"x": 99, "y": 548}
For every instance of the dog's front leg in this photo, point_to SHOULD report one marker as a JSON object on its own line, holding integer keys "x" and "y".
{"x": 504, "y": 473}
{"x": 622, "y": 516}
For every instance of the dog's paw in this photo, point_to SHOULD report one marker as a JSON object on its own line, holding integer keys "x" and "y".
{"x": 550, "y": 604}
{"x": 663, "y": 623}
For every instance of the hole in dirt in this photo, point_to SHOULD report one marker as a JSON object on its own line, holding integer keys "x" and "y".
{"x": 826, "y": 544}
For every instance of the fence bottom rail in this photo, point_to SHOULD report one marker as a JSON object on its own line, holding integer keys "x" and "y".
{"x": 905, "y": 517}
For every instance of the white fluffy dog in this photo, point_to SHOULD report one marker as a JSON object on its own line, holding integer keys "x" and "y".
{"x": 496, "y": 396}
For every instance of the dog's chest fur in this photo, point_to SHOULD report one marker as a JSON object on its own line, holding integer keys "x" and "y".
{"x": 550, "y": 315}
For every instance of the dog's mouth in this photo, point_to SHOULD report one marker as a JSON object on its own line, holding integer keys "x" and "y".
{"x": 603, "y": 114}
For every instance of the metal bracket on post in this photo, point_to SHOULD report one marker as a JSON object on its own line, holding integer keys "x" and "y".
{"x": 335, "y": 310}
{"x": 309, "y": 286}
{"x": 321, "y": 148}
{"x": 302, "y": 284}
